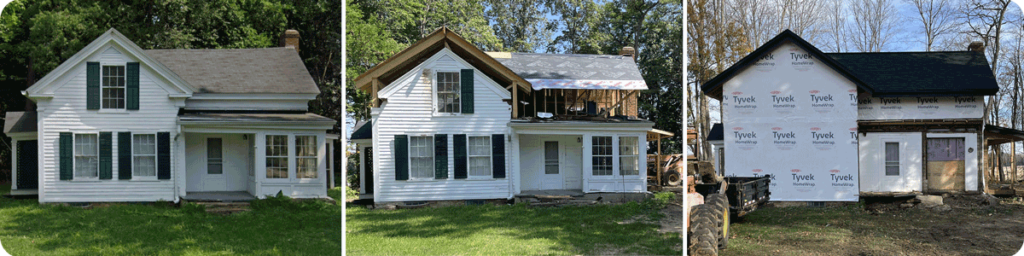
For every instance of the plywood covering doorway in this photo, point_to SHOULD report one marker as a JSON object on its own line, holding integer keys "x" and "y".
{"x": 946, "y": 164}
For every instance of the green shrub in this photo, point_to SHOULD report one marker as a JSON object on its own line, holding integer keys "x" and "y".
{"x": 351, "y": 193}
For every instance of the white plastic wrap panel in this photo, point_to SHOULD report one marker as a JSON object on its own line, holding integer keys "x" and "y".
{"x": 792, "y": 117}
{"x": 872, "y": 162}
{"x": 901, "y": 108}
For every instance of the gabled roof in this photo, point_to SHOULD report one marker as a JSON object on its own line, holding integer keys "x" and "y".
{"x": 886, "y": 74}
{"x": 114, "y": 37}
{"x": 17, "y": 121}
{"x": 716, "y": 132}
{"x": 713, "y": 87}
{"x": 362, "y": 130}
{"x": 922, "y": 73}
{"x": 259, "y": 70}
{"x": 574, "y": 71}
{"x": 397, "y": 65}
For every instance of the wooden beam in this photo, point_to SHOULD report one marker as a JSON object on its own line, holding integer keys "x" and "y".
{"x": 1013, "y": 161}
{"x": 623, "y": 99}
{"x": 362, "y": 81}
{"x": 487, "y": 59}
{"x": 658, "y": 167}
{"x": 515, "y": 100}
{"x": 375, "y": 87}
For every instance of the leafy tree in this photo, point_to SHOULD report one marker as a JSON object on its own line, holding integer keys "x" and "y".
{"x": 519, "y": 24}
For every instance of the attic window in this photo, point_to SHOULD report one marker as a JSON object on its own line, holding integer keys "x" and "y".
{"x": 113, "y": 87}
{"x": 448, "y": 92}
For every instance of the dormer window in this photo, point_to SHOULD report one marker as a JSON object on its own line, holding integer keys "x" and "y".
{"x": 448, "y": 92}
{"x": 113, "y": 87}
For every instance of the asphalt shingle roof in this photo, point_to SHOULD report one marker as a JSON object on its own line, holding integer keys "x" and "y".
{"x": 17, "y": 121}
{"x": 716, "y": 132}
{"x": 363, "y": 130}
{"x": 260, "y": 70}
{"x": 572, "y": 66}
{"x": 921, "y": 73}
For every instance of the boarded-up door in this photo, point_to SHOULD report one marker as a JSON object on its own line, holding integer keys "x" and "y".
{"x": 945, "y": 164}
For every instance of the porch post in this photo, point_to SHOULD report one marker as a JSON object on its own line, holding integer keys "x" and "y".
{"x": 14, "y": 164}
{"x": 330, "y": 164}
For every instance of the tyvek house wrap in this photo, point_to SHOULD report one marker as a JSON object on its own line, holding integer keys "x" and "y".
{"x": 790, "y": 116}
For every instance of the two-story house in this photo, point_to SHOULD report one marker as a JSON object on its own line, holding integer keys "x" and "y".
{"x": 119, "y": 123}
{"x": 451, "y": 122}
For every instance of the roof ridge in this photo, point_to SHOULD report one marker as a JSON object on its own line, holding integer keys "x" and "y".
{"x": 898, "y": 52}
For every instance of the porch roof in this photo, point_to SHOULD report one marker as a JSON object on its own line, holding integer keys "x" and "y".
{"x": 999, "y": 135}
{"x": 362, "y": 130}
{"x": 255, "y": 118}
{"x": 19, "y": 121}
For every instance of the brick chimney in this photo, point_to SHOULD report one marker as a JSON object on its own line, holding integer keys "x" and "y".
{"x": 290, "y": 39}
{"x": 976, "y": 47}
{"x": 628, "y": 51}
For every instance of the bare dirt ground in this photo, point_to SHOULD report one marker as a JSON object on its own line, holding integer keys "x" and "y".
{"x": 966, "y": 228}
{"x": 673, "y": 220}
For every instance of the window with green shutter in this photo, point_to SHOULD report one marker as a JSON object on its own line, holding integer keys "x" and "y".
{"x": 106, "y": 159}
{"x": 459, "y": 150}
{"x": 132, "y": 86}
{"x": 467, "y": 91}
{"x": 498, "y": 155}
{"x": 92, "y": 85}
{"x": 440, "y": 156}
{"x": 163, "y": 155}
{"x": 66, "y": 156}
{"x": 124, "y": 155}
{"x": 401, "y": 157}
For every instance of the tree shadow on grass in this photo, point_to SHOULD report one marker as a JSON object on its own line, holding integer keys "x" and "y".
{"x": 160, "y": 230}
{"x": 571, "y": 229}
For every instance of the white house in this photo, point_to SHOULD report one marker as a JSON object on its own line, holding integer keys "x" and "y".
{"x": 450, "y": 122}
{"x": 116, "y": 123}
{"x": 837, "y": 126}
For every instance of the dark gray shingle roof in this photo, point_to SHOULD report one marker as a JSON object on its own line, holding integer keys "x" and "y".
{"x": 17, "y": 121}
{"x": 262, "y": 70}
{"x": 921, "y": 73}
{"x": 362, "y": 130}
{"x": 716, "y": 132}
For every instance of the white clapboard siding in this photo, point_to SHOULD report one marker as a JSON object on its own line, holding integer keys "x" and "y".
{"x": 409, "y": 111}
{"x": 66, "y": 112}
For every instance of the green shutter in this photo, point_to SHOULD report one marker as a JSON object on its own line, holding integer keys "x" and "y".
{"x": 401, "y": 157}
{"x": 67, "y": 151}
{"x": 460, "y": 155}
{"x": 440, "y": 156}
{"x": 132, "y": 84}
{"x": 92, "y": 85}
{"x": 106, "y": 159}
{"x": 124, "y": 155}
{"x": 498, "y": 155}
{"x": 467, "y": 90}
{"x": 163, "y": 155}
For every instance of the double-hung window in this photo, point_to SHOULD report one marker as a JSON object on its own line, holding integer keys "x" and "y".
{"x": 144, "y": 155}
{"x": 277, "y": 156}
{"x": 480, "y": 156}
{"x": 448, "y": 89}
{"x": 629, "y": 156}
{"x": 87, "y": 160}
{"x": 421, "y": 157}
{"x": 892, "y": 159}
{"x": 305, "y": 157}
{"x": 113, "y": 87}
{"x": 602, "y": 155}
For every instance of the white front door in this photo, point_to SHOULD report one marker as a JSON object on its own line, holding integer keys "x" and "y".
{"x": 214, "y": 178}
{"x": 572, "y": 166}
{"x": 552, "y": 177}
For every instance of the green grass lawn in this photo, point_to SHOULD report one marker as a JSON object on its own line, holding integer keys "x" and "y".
{"x": 27, "y": 228}
{"x": 507, "y": 230}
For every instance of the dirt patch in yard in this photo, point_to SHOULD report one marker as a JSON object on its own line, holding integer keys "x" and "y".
{"x": 968, "y": 227}
{"x": 673, "y": 220}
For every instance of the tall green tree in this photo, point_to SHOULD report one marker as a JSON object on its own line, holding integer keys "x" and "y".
{"x": 369, "y": 43}
{"x": 521, "y": 25}
{"x": 577, "y": 21}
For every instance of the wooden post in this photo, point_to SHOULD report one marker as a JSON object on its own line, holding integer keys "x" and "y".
{"x": 658, "y": 167}
{"x": 515, "y": 100}
{"x": 1013, "y": 160}
{"x": 373, "y": 99}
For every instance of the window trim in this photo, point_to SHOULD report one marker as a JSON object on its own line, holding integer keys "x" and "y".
{"x": 74, "y": 157}
{"x": 156, "y": 159}
{"x": 103, "y": 86}
{"x": 469, "y": 158}
{"x": 618, "y": 154}
{"x": 612, "y": 154}
{"x": 294, "y": 154}
{"x": 288, "y": 156}
{"x": 433, "y": 92}
{"x": 899, "y": 159}
{"x": 430, "y": 139}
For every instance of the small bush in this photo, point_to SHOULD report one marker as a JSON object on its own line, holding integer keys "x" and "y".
{"x": 351, "y": 193}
